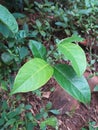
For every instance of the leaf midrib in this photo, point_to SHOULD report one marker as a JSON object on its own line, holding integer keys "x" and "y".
{"x": 71, "y": 56}
{"x": 67, "y": 78}
{"x": 33, "y": 75}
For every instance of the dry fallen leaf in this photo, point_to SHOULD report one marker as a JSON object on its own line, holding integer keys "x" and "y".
{"x": 46, "y": 94}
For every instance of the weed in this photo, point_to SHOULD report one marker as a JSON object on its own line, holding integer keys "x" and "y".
{"x": 92, "y": 126}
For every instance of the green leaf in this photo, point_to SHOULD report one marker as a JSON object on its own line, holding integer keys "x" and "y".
{"x": 75, "y": 54}
{"x": 30, "y": 125}
{"x": 6, "y": 57}
{"x": 38, "y": 50}
{"x": 70, "y": 82}
{"x": 52, "y": 121}
{"x": 43, "y": 33}
{"x": 10, "y": 122}
{"x": 22, "y": 34}
{"x": 83, "y": 129}
{"x": 23, "y": 52}
{"x": 4, "y": 85}
{"x": 5, "y": 31}
{"x": 48, "y": 105}
{"x": 32, "y": 76}
{"x": 61, "y": 24}
{"x": 8, "y": 19}
{"x": 91, "y": 125}
{"x": 96, "y": 88}
{"x": 30, "y": 116}
{"x": 38, "y": 23}
{"x": 19, "y": 15}
{"x": 73, "y": 38}
{"x": 12, "y": 114}
{"x": 4, "y": 105}
{"x": 28, "y": 107}
{"x": 55, "y": 112}
{"x": 2, "y": 121}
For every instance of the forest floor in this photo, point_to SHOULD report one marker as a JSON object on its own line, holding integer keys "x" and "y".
{"x": 73, "y": 115}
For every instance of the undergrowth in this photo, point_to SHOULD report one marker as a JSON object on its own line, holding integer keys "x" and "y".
{"x": 45, "y": 22}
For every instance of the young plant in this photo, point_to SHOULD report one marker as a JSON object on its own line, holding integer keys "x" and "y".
{"x": 36, "y": 72}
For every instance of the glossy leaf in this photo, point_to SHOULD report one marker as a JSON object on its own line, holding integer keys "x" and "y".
{"x": 75, "y": 54}
{"x": 5, "y": 31}
{"x": 8, "y": 19}
{"x": 70, "y": 82}
{"x": 38, "y": 50}
{"x": 32, "y": 76}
